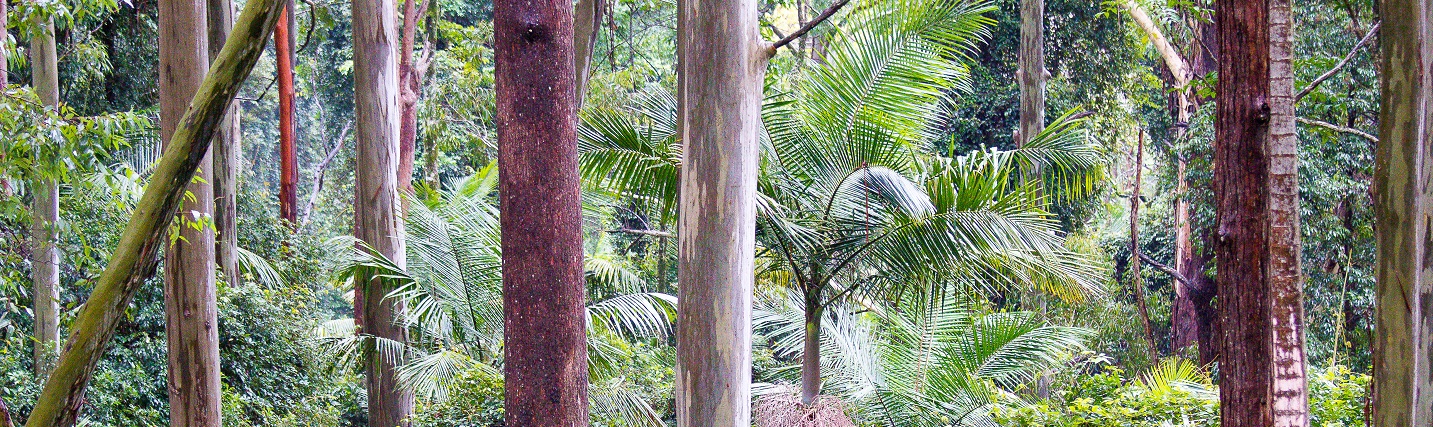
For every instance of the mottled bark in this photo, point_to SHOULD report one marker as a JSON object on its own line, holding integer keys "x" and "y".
{"x": 544, "y": 335}
{"x": 721, "y": 66}
{"x": 190, "y": 296}
{"x": 288, "y": 156}
{"x": 1403, "y": 350}
{"x": 226, "y": 154}
{"x": 1031, "y": 70}
{"x": 1256, "y": 153}
{"x": 378, "y": 213}
{"x": 135, "y": 259}
{"x": 45, "y": 212}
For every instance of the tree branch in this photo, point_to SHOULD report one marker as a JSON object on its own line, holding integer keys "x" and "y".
{"x": 806, "y": 28}
{"x": 1337, "y": 128}
{"x": 1164, "y": 268}
{"x": 323, "y": 167}
{"x": 653, "y": 233}
{"x": 1341, "y": 63}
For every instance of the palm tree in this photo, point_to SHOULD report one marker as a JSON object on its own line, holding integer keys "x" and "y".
{"x": 452, "y": 288}
{"x": 928, "y": 360}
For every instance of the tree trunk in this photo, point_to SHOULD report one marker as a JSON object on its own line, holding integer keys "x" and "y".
{"x": 721, "y": 67}
{"x": 410, "y": 80}
{"x": 545, "y": 339}
{"x": 227, "y": 155}
{"x": 288, "y": 158}
{"x": 190, "y": 300}
{"x": 1031, "y": 72}
{"x": 136, "y": 258}
{"x": 1403, "y": 353}
{"x": 811, "y": 353}
{"x": 1256, "y": 154}
{"x": 45, "y": 213}
{"x": 587, "y": 16}
{"x": 1136, "y": 279}
{"x": 377, "y": 209}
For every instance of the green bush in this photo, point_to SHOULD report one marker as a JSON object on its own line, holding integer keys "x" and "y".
{"x": 475, "y": 400}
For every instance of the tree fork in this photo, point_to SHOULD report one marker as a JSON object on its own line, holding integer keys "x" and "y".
{"x": 136, "y": 257}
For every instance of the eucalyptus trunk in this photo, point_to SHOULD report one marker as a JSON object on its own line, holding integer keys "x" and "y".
{"x": 1256, "y": 153}
{"x": 544, "y": 295}
{"x": 45, "y": 212}
{"x": 587, "y": 23}
{"x": 135, "y": 259}
{"x": 721, "y": 64}
{"x": 1403, "y": 369}
{"x": 378, "y": 216}
{"x": 226, "y": 154}
{"x": 1032, "y": 73}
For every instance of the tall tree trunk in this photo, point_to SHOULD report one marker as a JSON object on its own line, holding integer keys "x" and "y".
{"x": 720, "y": 69}
{"x": 288, "y": 158}
{"x": 1403, "y": 353}
{"x": 1136, "y": 278}
{"x": 587, "y": 17}
{"x": 410, "y": 79}
{"x": 545, "y": 327}
{"x": 136, "y": 258}
{"x": 1256, "y": 153}
{"x": 227, "y": 155}
{"x": 190, "y": 300}
{"x": 45, "y": 212}
{"x": 377, "y": 210}
{"x": 1031, "y": 72}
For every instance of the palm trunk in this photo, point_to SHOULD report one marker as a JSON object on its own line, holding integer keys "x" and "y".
{"x": 45, "y": 213}
{"x": 136, "y": 258}
{"x": 1403, "y": 371}
{"x": 377, "y": 209}
{"x": 227, "y": 155}
{"x": 1262, "y": 362}
{"x": 544, "y": 295}
{"x": 190, "y": 300}
{"x": 721, "y": 64}
{"x": 811, "y": 354}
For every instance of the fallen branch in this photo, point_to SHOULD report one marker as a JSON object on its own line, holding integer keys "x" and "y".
{"x": 1341, "y": 63}
{"x": 806, "y": 28}
{"x": 1334, "y": 127}
{"x": 137, "y": 257}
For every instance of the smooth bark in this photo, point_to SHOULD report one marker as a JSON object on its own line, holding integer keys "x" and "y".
{"x": 1403, "y": 349}
{"x": 1262, "y": 364}
{"x": 135, "y": 259}
{"x": 45, "y": 213}
{"x": 288, "y": 155}
{"x": 227, "y": 156}
{"x": 721, "y": 64}
{"x": 378, "y": 219}
{"x": 190, "y": 296}
{"x": 545, "y": 344}
{"x": 411, "y": 73}
{"x": 587, "y": 19}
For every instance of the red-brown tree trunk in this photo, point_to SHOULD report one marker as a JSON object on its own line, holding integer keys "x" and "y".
{"x": 410, "y": 80}
{"x": 288, "y": 159}
{"x": 1262, "y": 364}
{"x": 378, "y": 217}
{"x": 545, "y": 340}
{"x": 190, "y": 296}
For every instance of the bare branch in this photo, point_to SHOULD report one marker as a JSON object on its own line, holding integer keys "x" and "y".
{"x": 323, "y": 167}
{"x": 1163, "y": 268}
{"x": 1337, "y": 128}
{"x": 1341, "y": 63}
{"x": 653, "y": 233}
{"x": 806, "y": 28}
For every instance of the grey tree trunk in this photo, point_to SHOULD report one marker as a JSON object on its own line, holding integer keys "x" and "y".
{"x": 587, "y": 20}
{"x": 721, "y": 64}
{"x": 136, "y": 258}
{"x": 1261, "y": 296}
{"x": 190, "y": 297}
{"x": 1403, "y": 367}
{"x": 45, "y": 213}
{"x": 545, "y": 339}
{"x": 227, "y": 155}
{"x": 1031, "y": 72}
{"x": 377, "y": 210}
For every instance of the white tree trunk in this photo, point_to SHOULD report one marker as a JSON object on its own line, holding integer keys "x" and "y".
{"x": 721, "y": 67}
{"x": 1403, "y": 351}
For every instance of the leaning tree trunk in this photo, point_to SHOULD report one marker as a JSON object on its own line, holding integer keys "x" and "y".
{"x": 190, "y": 298}
{"x": 226, "y": 155}
{"x": 1031, "y": 70}
{"x": 545, "y": 339}
{"x": 378, "y": 219}
{"x": 136, "y": 258}
{"x": 1403, "y": 367}
{"x": 1261, "y": 300}
{"x": 719, "y": 93}
{"x": 45, "y": 212}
